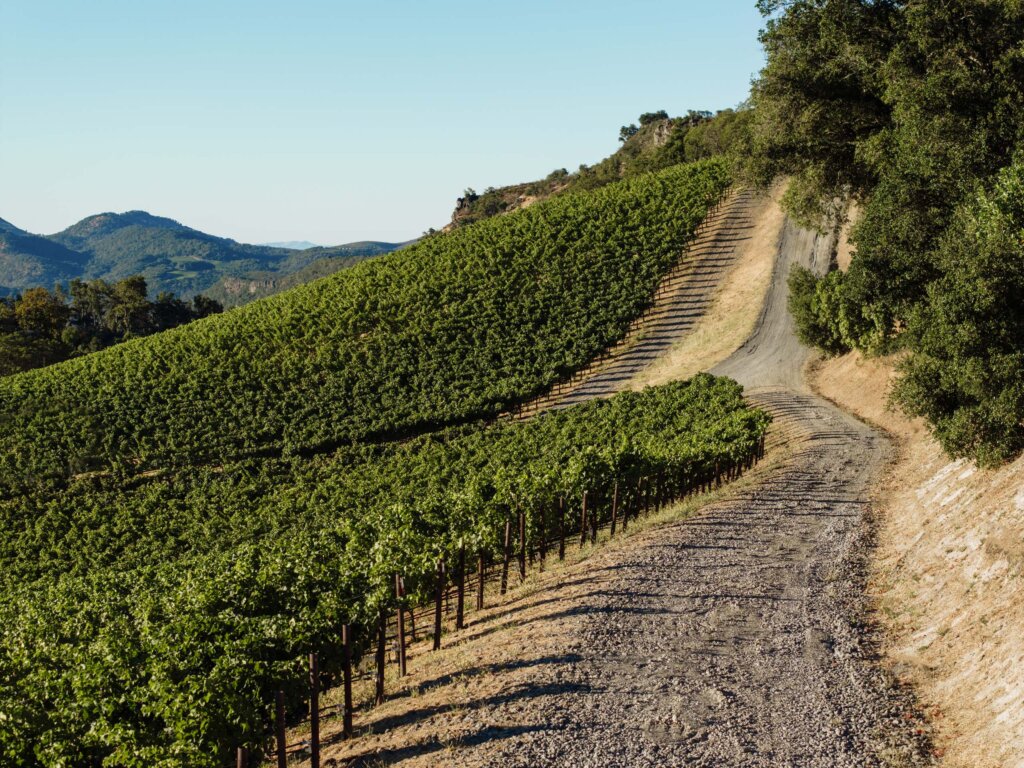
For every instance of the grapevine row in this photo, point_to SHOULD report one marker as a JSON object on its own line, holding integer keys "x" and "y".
{"x": 158, "y": 619}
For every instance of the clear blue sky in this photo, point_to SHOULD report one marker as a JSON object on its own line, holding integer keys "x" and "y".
{"x": 335, "y": 121}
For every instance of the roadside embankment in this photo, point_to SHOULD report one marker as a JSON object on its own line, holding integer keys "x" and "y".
{"x": 948, "y": 576}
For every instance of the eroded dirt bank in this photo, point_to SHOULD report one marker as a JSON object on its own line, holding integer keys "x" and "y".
{"x": 948, "y": 576}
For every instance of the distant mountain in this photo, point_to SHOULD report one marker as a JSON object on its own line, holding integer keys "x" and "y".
{"x": 171, "y": 256}
{"x": 30, "y": 260}
{"x": 293, "y": 245}
{"x": 6, "y": 226}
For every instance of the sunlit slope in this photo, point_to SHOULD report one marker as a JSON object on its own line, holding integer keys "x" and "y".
{"x": 456, "y": 327}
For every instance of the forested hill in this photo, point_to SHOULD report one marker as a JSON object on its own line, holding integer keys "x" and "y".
{"x": 170, "y": 256}
{"x": 453, "y": 328}
{"x": 28, "y": 261}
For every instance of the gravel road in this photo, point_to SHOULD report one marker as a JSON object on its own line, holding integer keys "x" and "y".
{"x": 737, "y": 638}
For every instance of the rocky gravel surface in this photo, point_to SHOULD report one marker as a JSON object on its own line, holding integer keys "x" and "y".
{"x": 737, "y": 639}
{"x": 741, "y": 637}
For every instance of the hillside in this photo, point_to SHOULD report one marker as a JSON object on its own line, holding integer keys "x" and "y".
{"x": 452, "y": 329}
{"x": 28, "y": 261}
{"x": 658, "y": 142}
{"x": 170, "y": 256}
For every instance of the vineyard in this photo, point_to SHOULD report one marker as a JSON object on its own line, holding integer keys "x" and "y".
{"x": 451, "y": 330}
{"x": 151, "y": 624}
{"x": 189, "y": 515}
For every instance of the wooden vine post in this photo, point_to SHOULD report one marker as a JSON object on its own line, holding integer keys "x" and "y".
{"x": 346, "y": 672}
{"x": 627, "y": 502}
{"x": 481, "y": 573}
{"x": 242, "y": 758}
{"x": 507, "y": 552}
{"x": 583, "y": 521}
{"x": 522, "y": 544}
{"x": 282, "y": 746}
{"x": 399, "y": 594}
{"x": 382, "y": 649}
{"x": 561, "y": 527}
{"x": 543, "y": 540}
{"x": 438, "y": 604}
{"x": 615, "y": 507}
{"x": 314, "y": 711}
{"x": 460, "y": 598}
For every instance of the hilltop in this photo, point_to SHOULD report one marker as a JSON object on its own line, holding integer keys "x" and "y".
{"x": 169, "y": 255}
{"x": 658, "y": 142}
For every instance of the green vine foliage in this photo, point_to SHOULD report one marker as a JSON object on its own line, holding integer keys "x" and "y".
{"x": 149, "y": 623}
{"x": 454, "y": 329}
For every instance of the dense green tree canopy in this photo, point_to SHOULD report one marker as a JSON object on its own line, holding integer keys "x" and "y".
{"x": 40, "y": 327}
{"x": 907, "y": 107}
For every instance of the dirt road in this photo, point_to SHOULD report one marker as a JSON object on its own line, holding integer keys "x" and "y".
{"x": 736, "y": 639}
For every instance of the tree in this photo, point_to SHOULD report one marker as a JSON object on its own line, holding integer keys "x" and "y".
{"x": 41, "y": 314}
{"x": 40, "y": 327}
{"x": 8, "y": 320}
{"x": 966, "y": 371}
{"x": 203, "y": 306}
{"x": 130, "y": 313}
{"x": 169, "y": 311}
{"x": 652, "y": 117}
{"x": 627, "y": 132}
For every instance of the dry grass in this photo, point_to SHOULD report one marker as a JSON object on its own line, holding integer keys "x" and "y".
{"x": 844, "y": 248}
{"x": 735, "y": 307}
{"x": 948, "y": 577}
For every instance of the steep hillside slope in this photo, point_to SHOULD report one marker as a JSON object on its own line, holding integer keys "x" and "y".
{"x": 452, "y": 329}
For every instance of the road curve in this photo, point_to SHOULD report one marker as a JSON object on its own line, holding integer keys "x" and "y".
{"x": 735, "y": 638}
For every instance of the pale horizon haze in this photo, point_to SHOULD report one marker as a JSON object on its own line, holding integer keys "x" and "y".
{"x": 335, "y": 121}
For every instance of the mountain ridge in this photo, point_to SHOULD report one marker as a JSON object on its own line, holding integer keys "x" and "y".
{"x": 171, "y": 256}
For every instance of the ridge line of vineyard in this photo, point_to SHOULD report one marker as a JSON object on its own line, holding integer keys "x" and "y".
{"x": 675, "y": 282}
